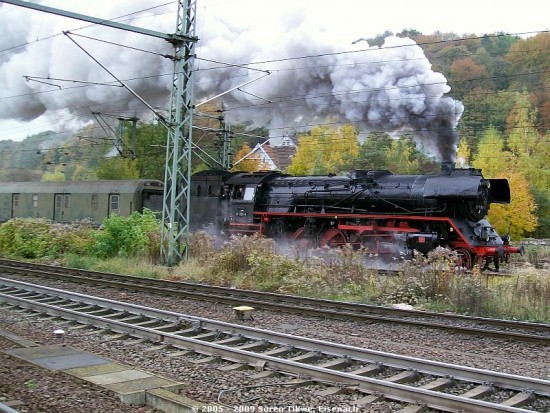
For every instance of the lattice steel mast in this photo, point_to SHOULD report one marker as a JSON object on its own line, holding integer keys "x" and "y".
{"x": 175, "y": 213}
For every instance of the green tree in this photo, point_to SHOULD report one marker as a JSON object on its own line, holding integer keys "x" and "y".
{"x": 373, "y": 152}
{"x": 117, "y": 168}
{"x": 126, "y": 236}
{"x": 484, "y": 110}
{"x": 151, "y": 150}
{"x": 400, "y": 157}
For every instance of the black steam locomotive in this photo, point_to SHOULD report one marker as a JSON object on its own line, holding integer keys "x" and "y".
{"x": 375, "y": 209}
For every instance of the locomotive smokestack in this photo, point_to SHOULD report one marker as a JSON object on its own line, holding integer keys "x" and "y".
{"x": 447, "y": 168}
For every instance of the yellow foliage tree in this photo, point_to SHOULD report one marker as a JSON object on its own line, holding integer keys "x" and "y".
{"x": 516, "y": 218}
{"x": 324, "y": 150}
{"x": 400, "y": 159}
{"x": 245, "y": 161}
{"x": 491, "y": 157}
{"x": 463, "y": 154}
{"x": 530, "y": 149}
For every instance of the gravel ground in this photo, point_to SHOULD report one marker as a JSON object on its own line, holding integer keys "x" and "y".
{"x": 205, "y": 383}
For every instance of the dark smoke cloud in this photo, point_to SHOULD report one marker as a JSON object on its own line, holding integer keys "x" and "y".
{"x": 390, "y": 88}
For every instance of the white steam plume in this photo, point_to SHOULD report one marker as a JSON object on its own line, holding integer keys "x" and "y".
{"x": 390, "y": 88}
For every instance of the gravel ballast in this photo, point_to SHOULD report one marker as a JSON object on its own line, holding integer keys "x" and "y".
{"x": 47, "y": 391}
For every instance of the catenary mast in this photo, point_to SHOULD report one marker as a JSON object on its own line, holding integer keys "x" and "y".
{"x": 177, "y": 181}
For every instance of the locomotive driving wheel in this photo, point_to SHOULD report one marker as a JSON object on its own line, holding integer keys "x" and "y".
{"x": 301, "y": 240}
{"x": 463, "y": 258}
{"x": 333, "y": 238}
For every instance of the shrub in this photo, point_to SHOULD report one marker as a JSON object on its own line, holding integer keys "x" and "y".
{"x": 76, "y": 238}
{"x": 233, "y": 256}
{"x": 467, "y": 294}
{"x": 127, "y": 236}
{"x": 525, "y": 296}
{"x": 28, "y": 238}
{"x": 201, "y": 246}
{"x": 35, "y": 238}
{"x": 435, "y": 278}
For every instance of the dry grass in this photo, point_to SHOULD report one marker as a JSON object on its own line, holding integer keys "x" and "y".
{"x": 430, "y": 282}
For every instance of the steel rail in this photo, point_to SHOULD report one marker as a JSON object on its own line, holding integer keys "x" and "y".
{"x": 236, "y": 355}
{"x": 295, "y": 304}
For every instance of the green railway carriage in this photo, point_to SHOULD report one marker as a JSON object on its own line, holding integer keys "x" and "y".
{"x": 78, "y": 200}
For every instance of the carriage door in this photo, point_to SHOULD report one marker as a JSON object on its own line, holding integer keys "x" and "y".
{"x": 62, "y": 210}
{"x": 15, "y": 206}
{"x": 114, "y": 204}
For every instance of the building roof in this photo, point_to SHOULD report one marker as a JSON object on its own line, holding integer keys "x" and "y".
{"x": 281, "y": 155}
{"x": 274, "y": 158}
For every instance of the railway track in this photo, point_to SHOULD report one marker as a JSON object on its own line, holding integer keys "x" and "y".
{"x": 478, "y": 326}
{"x": 376, "y": 375}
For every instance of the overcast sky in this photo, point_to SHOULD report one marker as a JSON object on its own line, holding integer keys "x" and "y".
{"x": 233, "y": 30}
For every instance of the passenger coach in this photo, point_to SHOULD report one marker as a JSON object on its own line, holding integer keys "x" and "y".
{"x": 78, "y": 200}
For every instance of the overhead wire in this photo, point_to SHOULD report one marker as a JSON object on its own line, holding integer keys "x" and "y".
{"x": 319, "y": 55}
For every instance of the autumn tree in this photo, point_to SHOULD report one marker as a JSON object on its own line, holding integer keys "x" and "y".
{"x": 82, "y": 173}
{"x": 467, "y": 75}
{"x": 246, "y": 161}
{"x": 308, "y": 157}
{"x": 491, "y": 156}
{"x": 462, "y": 154}
{"x": 324, "y": 150}
{"x": 530, "y": 151}
{"x": 400, "y": 157}
{"x": 53, "y": 177}
{"x": 516, "y": 218}
{"x": 495, "y": 161}
{"x": 530, "y": 68}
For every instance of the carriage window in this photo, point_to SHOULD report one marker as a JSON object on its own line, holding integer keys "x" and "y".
{"x": 62, "y": 201}
{"x": 35, "y": 201}
{"x": 114, "y": 203}
{"x": 249, "y": 193}
{"x": 95, "y": 202}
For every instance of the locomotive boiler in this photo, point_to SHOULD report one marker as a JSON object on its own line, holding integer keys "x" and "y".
{"x": 386, "y": 214}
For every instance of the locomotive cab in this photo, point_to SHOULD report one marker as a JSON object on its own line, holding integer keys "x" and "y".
{"x": 239, "y": 201}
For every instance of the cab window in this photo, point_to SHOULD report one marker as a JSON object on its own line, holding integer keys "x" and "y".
{"x": 249, "y": 193}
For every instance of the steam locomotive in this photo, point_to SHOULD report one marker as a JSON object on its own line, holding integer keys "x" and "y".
{"x": 374, "y": 209}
